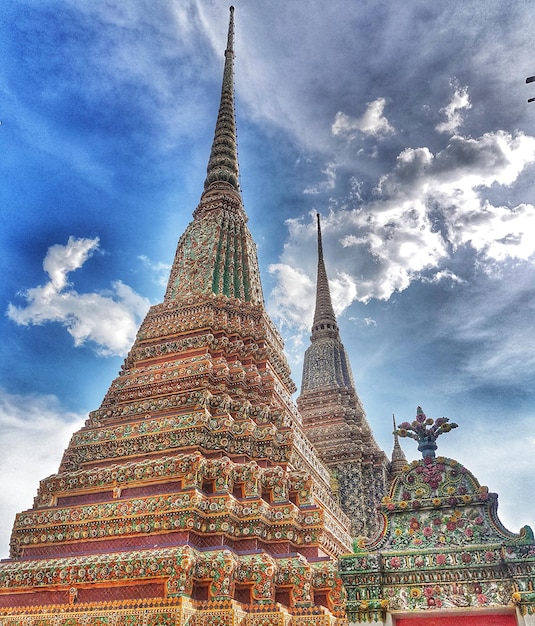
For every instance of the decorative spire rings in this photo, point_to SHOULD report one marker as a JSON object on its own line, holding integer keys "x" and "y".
{"x": 223, "y": 163}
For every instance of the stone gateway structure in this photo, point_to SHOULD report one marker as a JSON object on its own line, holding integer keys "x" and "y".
{"x": 198, "y": 493}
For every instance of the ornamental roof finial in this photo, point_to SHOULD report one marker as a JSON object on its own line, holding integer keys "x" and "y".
{"x": 425, "y": 430}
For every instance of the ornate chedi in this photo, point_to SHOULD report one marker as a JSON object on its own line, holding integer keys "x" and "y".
{"x": 442, "y": 557}
{"x": 192, "y": 495}
{"x": 334, "y": 419}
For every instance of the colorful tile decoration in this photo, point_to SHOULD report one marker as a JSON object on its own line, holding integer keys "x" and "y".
{"x": 192, "y": 494}
{"x": 198, "y": 495}
{"x": 441, "y": 548}
{"x": 334, "y": 418}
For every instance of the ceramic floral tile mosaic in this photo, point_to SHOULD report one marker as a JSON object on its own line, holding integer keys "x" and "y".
{"x": 441, "y": 547}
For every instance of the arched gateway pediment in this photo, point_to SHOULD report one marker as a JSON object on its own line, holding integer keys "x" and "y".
{"x": 441, "y": 548}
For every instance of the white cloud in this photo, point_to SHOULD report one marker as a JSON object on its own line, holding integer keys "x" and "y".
{"x": 425, "y": 210}
{"x": 400, "y": 240}
{"x": 462, "y": 167}
{"x": 410, "y": 172}
{"x": 343, "y": 291}
{"x": 25, "y": 420}
{"x": 460, "y": 100}
{"x": 432, "y": 205}
{"x": 60, "y": 260}
{"x": 445, "y": 275}
{"x": 109, "y": 322}
{"x": 291, "y": 305}
{"x": 372, "y": 122}
{"x": 355, "y": 193}
{"x": 292, "y": 300}
{"x": 451, "y": 187}
{"x": 326, "y": 185}
{"x": 498, "y": 233}
{"x": 159, "y": 269}
{"x": 367, "y": 321}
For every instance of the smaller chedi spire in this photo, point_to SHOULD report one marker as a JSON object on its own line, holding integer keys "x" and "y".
{"x": 324, "y": 323}
{"x": 334, "y": 419}
{"x": 223, "y": 162}
{"x": 399, "y": 460}
{"x": 326, "y": 362}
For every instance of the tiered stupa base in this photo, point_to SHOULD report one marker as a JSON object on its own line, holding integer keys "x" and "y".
{"x": 171, "y": 612}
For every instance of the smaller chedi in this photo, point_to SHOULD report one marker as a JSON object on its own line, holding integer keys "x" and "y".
{"x": 442, "y": 557}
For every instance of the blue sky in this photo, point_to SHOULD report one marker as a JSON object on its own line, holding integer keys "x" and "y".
{"x": 406, "y": 126}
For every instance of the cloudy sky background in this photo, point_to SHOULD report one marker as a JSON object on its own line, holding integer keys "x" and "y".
{"x": 405, "y": 126}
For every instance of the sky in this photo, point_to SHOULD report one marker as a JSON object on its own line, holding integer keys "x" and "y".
{"x": 405, "y": 125}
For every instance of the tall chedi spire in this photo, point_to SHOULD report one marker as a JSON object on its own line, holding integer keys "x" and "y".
{"x": 223, "y": 162}
{"x": 334, "y": 419}
{"x": 192, "y": 492}
{"x": 217, "y": 254}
